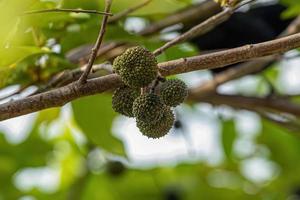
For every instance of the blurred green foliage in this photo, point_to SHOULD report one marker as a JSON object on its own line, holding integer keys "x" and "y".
{"x": 34, "y": 47}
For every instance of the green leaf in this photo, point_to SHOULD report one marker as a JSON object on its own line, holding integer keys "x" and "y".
{"x": 47, "y": 116}
{"x": 33, "y": 146}
{"x": 94, "y": 116}
{"x": 228, "y": 137}
{"x": 90, "y": 4}
{"x": 284, "y": 149}
{"x": 154, "y": 7}
{"x": 30, "y": 153}
{"x": 293, "y": 8}
{"x": 178, "y": 51}
{"x": 12, "y": 55}
{"x": 13, "y": 29}
{"x": 186, "y": 182}
{"x": 283, "y": 144}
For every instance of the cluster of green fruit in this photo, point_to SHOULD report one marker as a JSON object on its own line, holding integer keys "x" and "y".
{"x": 137, "y": 68}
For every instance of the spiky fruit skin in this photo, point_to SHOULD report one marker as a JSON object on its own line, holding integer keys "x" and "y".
{"x": 173, "y": 92}
{"x": 137, "y": 67}
{"x": 122, "y": 100}
{"x": 160, "y": 128}
{"x": 148, "y": 108}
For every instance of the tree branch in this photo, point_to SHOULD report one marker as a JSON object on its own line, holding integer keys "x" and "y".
{"x": 61, "y": 96}
{"x": 68, "y": 10}
{"x": 200, "y": 29}
{"x": 291, "y": 124}
{"x": 69, "y": 76}
{"x": 81, "y": 54}
{"x": 19, "y": 91}
{"x": 200, "y": 12}
{"x": 244, "y": 68}
{"x": 231, "y": 56}
{"x": 94, "y": 52}
{"x": 279, "y": 105}
{"x": 58, "y": 97}
{"x": 272, "y": 109}
{"x": 124, "y": 13}
{"x": 235, "y": 72}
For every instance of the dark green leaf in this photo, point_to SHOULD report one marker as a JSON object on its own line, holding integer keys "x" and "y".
{"x": 94, "y": 116}
{"x": 228, "y": 137}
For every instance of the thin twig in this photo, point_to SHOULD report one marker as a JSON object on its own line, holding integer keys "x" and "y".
{"x": 81, "y": 54}
{"x": 69, "y": 76}
{"x": 67, "y": 10}
{"x": 19, "y": 91}
{"x": 244, "y": 3}
{"x": 200, "y": 29}
{"x": 291, "y": 57}
{"x": 156, "y": 82}
{"x": 94, "y": 52}
{"x": 290, "y": 124}
{"x": 200, "y": 12}
{"x": 124, "y": 13}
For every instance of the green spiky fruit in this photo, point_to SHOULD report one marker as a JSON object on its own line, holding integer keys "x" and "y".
{"x": 123, "y": 99}
{"x": 160, "y": 128}
{"x": 148, "y": 108}
{"x": 173, "y": 92}
{"x": 137, "y": 67}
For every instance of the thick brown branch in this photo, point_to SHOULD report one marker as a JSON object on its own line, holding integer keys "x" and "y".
{"x": 58, "y": 97}
{"x": 96, "y": 48}
{"x": 230, "y": 56}
{"x": 68, "y": 93}
{"x": 233, "y": 73}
